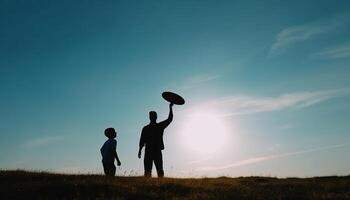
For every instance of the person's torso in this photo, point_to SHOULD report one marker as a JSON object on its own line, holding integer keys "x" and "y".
{"x": 154, "y": 137}
{"x": 107, "y": 150}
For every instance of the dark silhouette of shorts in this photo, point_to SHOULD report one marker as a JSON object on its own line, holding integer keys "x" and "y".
{"x": 156, "y": 157}
{"x": 109, "y": 168}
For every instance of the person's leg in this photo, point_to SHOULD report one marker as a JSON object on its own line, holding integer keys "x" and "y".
{"x": 109, "y": 169}
{"x": 158, "y": 161}
{"x": 112, "y": 170}
{"x": 105, "y": 168}
{"x": 148, "y": 161}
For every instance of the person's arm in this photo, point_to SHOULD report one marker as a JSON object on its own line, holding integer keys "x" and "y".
{"x": 117, "y": 158}
{"x": 116, "y": 154}
{"x": 141, "y": 143}
{"x": 166, "y": 122}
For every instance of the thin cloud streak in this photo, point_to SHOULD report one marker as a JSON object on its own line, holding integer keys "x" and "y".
{"x": 296, "y": 34}
{"x": 270, "y": 157}
{"x": 202, "y": 78}
{"x": 334, "y": 53}
{"x": 199, "y": 160}
{"x": 36, "y": 142}
{"x": 197, "y": 80}
{"x": 242, "y": 105}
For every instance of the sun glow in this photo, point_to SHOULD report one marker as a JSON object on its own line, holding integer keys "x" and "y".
{"x": 205, "y": 132}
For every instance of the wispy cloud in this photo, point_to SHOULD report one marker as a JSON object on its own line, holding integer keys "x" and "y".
{"x": 197, "y": 80}
{"x": 296, "y": 34}
{"x": 274, "y": 147}
{"x": 269, "y": 157}
{"x": 334, "y": 53}
{"x": 200, "y": 78}
{"x": 286, "y": 127}
{"x": 200, "y": 160}
{"x": 240, "y": 105}
{"x": 45, "y": 140}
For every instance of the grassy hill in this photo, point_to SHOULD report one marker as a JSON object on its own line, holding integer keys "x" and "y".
{"x": 31, "y": 185}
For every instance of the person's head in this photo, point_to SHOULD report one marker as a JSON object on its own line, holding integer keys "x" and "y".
{"x": 110, "y": 133}
{"x": 153, "y": 116}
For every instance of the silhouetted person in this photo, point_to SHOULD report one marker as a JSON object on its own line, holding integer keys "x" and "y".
{"x": 152, "y": 137}
{"x": 109, "y": 152}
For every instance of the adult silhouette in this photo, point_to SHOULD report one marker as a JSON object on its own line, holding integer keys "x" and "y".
{"x": 152, "y": 138}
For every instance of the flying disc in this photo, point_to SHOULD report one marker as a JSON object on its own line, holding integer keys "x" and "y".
{"x": 173, "y": 98}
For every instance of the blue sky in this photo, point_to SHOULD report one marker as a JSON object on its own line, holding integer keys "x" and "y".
{"x": 274, "y": 75}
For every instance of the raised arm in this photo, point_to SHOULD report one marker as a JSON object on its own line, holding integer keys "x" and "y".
{"x": 166, "y": 122}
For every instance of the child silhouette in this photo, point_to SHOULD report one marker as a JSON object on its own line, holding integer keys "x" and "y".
{"x": 109, "y": 152}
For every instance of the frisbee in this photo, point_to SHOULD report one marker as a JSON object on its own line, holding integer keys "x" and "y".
{"x": 173, "y": 98}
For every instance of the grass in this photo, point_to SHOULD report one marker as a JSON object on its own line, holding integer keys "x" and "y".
{"x": 34, "y": 185}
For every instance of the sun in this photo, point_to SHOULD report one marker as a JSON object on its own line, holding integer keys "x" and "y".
{"x": 205, "y": 132}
